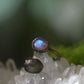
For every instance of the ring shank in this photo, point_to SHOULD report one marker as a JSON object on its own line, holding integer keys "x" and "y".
{"x": 56, "y": 53}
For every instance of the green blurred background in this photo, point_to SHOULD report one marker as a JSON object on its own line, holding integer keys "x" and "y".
{"x": 60, "y": 21}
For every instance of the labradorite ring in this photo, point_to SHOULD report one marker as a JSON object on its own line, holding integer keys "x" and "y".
{"x": 41, "y": 45}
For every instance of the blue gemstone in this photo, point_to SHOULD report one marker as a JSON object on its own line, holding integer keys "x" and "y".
{"x": 39, "y": 44}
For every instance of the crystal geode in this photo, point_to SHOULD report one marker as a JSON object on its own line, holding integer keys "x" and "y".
{"x": 54, "y": 72}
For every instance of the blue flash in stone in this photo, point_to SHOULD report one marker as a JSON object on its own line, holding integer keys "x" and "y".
{"x": 39, "y": 44}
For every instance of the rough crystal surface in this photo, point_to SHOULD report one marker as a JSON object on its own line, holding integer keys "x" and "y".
{"x": 54, "y": 72}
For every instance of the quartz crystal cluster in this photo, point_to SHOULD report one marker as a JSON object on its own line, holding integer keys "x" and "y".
{"x": 54, "y": 72}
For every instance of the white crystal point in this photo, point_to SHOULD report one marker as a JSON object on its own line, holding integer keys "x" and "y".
{"x": 10, "y": 64}
{"x": 64, "y": 63}
{"x": 61, "y": 65}
{"x": 81, "y": 75}
{"x": 6, "y": 74}
{"x": 78, "y": 68}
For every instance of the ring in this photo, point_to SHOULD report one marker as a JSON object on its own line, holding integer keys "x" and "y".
{"x": 41, "y": 45}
